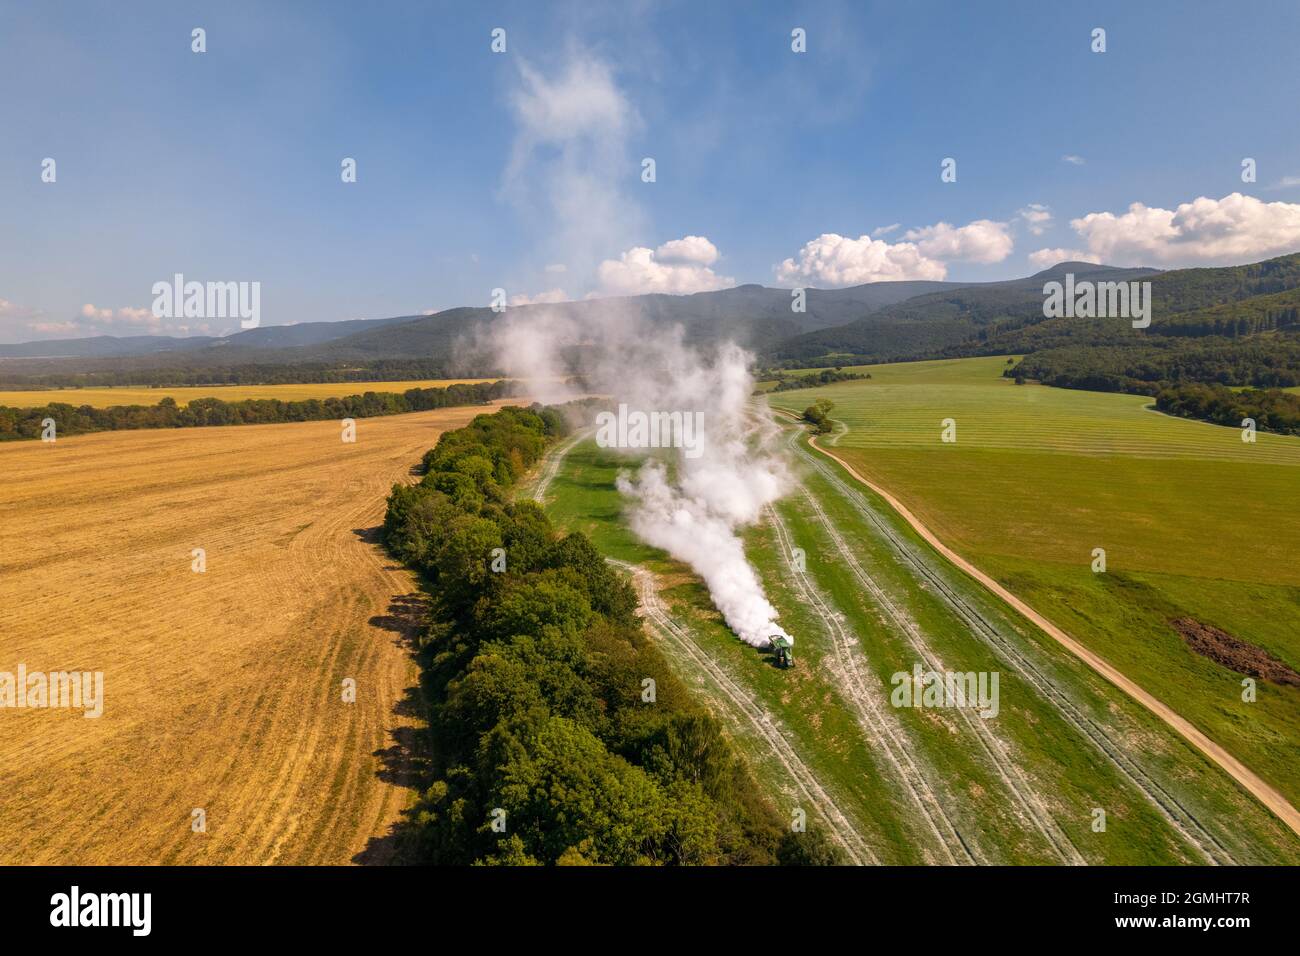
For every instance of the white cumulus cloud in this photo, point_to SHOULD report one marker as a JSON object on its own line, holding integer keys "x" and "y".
{"x": 125, "y": 317}
{"x": 1045, "y": 258}
{"x": 695, "y": 249}
{"x": 132, "y": 321}
{"x": 980, "y": 241}
{"x": 54, "y": 328}
{"x": 678, "y": 267}
{"x": 1036, "y": 217}
{"x": 835, "y": 260}
{"x": 924, "y": 253}
{"x": 551, "y": 295}
{"x": 1234, "y": 229}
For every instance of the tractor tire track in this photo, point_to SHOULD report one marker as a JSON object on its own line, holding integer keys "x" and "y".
{"x": 1012, "y": 776}
{"x": 1008, "y": 771}
{"x": 1169, "y": 807}
{"x": 844, "y": 833}
{"x": 553, "y": 463}
{"x": 870, "y": 718}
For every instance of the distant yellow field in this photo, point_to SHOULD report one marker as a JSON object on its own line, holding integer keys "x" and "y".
{"x": 104, "y": 397}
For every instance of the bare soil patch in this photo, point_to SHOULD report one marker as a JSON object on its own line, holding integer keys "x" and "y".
{"x": 1234, "y": 653}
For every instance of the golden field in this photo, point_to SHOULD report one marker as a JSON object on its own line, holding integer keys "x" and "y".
{"x": 222, "y": 689}
{"x": 125, "y": 395}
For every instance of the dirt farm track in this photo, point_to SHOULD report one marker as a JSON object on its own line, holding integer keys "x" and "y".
{"x": 223, "y": 690}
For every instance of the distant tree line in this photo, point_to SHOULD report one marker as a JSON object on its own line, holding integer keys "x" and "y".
{"x": 829, "y": 376}
{"x": 549, "y": 743}
{"x": 1272, "y": 410}
{"x": 18, "y": 423}
{"x": 1146, "y": 368}
{"x": 252, "y": 373}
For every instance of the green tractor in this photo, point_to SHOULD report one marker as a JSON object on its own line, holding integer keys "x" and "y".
{"x": 782, "y": 651}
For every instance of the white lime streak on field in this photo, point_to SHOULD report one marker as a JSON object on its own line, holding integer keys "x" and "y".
{"x": 742, "y": 710}
{"x": 1010, "y": 773}
{"x": 738, "y": 710}
{"x": 1174, "y": 812}
{"x": 880, "y": 728}
{"x": 1266, "y": 794}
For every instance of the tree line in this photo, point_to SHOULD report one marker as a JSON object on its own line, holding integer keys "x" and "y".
{"x": 19, "y": 423}
{"x": 1270, "y": 362}
{"x": 558, "y": 732}
{"x": 1271, "y": 409}
{"x": 122, "y": 373}
{"x": 828, "y": 376}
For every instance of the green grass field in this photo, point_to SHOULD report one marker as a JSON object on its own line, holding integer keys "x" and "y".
{"x": 1051, "y": 767}
{"x": 126, "y": 395}
{"x": 1193, "y": 522}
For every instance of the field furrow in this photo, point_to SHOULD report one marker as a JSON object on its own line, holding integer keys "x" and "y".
{"x": 223, "y": 689}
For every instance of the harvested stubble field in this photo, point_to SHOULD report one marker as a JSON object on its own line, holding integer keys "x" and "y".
{"x": 184, "y": 394}
{"x": 223, "y": 689}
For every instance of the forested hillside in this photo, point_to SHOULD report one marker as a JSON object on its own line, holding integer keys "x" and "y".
{"x": 1230, "y": 326}
{"x": 1270, "y": 410}
{"x": 932, "y": 325}
{"x": 1213, "y": 339}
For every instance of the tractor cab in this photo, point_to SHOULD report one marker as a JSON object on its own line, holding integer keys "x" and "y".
{"x": 782, "y": 651}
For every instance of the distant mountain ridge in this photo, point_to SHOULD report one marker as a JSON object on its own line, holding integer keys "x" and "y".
{"x": 271, "y": 336}
{"x": 876, "y": 322}
{"x": 1006, "y": 318}
{"x": 754, "y": 314}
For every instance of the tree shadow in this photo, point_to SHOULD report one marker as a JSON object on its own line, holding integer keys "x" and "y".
{"x": 405, "y": 762}
{"x": 375, "y": 536}
{"x": 405, "y": 618}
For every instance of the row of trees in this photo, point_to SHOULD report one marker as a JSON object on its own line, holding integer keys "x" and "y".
{"x": 828, "y": 376}
{"x": 559, "y": 734}
{"x": 18, "y": 423}
{"x": 1269, "y": 362}
{"x": 143, "y": 371}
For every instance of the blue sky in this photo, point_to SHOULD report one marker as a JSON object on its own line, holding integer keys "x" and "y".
{"x": 479, "y": 170}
